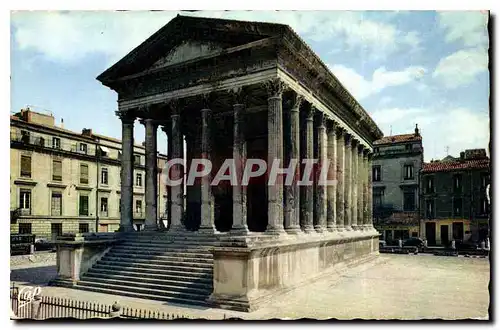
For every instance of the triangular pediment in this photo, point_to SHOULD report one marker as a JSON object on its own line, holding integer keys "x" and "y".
{"x": 185, "y": 38}
{"x": 189, "y": 50}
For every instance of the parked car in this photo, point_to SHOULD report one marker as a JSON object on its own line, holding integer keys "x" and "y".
{"x": 468, "y": 245}
{"x": 414, "y": 241}
{"x": 44, "y": 244}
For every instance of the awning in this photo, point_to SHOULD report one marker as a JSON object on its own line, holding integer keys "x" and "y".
{"x": 104, "y": 149}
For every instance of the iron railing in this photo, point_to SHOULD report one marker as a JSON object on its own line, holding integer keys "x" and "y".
{"x": 46, "y": 142}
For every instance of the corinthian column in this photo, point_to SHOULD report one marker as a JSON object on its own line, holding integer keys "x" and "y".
{"x": 354, "y": 182}
{"x": 178, "y": 169}
{"x": 292, "y": 206}
{"x": 275, "y": 89}
{"x": 366, "y": 171}
{"x": 321, "y": 206}
{"x": 207, "y": 198}
{"x": 150, "y": 223}
{"x": 239, "y": 156}
{"x": 332, "y": 175}
{"x": 127, "y": 170}
{"x": 308, "y": 206}
{"x": 370, "y": 193}
{"x": 340, "y": 191}
{"x": 360, "y": 188}
{"x": 348, "y": 183}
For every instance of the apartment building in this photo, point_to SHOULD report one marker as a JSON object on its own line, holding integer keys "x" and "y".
{"x": 397, "y": 161}
{"x": 454, "y": 201}
{"x": 64, "y": 181}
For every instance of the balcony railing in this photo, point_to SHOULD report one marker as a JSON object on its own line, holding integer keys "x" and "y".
{"x": 46, "y": 142}
{"x": 103, "y": 214}
{"x": 24, "y": 212}
{"x": 138, "y": 215}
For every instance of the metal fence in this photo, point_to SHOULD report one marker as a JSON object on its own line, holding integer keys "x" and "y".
{"x": 45, "y": 307}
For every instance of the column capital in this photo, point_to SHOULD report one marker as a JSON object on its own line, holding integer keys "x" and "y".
{"x": 238, "y": 95}
{"x": 126, "y": 116}
{"x": 275, "y": 87}
{"x": 297, "y": 100}
{"x": 331, "y": 126}
{"x": 310, "y": 111}
{"x": 355, "y": 142}
{"x": 321, "y": 119}
{"x": 149, "y": 121}
{"x": 175, "y": 106}
{"x": 340, "y": 131}
{"x": 361, "y": 147}
{"x": 207, "y": 100}
{"x": 348, "y": 138}
{"x": 365, "y": 152}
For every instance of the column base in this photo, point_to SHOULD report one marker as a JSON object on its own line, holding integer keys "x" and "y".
{"x": 294, "y": 230}
{"x": 319, "y": 229}
{"x": 275, "y": 230}
{"x": 126, "y": 228}
{"x": 207, "y": 230}
{"x": 348, "y": 228}
{"x": 355, "y": 227}
{"x": 308, "y": 229}
{"x": 331, "y": 228}
{"x": 239, "y": 230}
{"x": 339, "y": 229}
{"x": 177, "y": 227}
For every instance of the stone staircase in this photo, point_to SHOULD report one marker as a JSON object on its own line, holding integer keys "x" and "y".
{"x": 157, "y": 266}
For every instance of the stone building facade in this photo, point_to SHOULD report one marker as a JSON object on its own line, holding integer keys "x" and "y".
{"x": 63, "y": 181}
{"x": 397, "y": 162}
{"x": 454, "y": 203}
{"x": 224, "y": 89}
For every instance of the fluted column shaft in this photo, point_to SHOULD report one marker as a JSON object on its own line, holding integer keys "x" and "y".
{"x": 370, "y": 193}
{"x": 151, "y": 175}
{"x": 332, "y": 175}
{"x": 177, "y": 170}
{"x": 340, "y": 189}
{"x": 207, "y": 198}
{"x": 308, "y": 203}
{"x": 127, "y": 171}
{"x": 360, "y": 187}
{"x": 239, "y": 156}
{"x": 354, "y": 187}
{"x": 321, "y": 205}
{"x": 348, "y": 183}
{"x": 275, "y": 152}
{"x": 366, "y": 171}
{"x": 292, "y": 197}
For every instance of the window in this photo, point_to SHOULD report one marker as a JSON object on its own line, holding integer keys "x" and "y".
{"x": 25, "y": 137}
{"x": 83, "y": 228}
{"x": 56, "y": 204}
{"x": 104, "y": 176}
{"x": 485, "y": 180}
{"x": 55, "y": 230}
{"x": 25, "y": 201}
{"x": 378, "y": 197}
{"x": 376, "y": 150}
{"x": 457, "y": 207}
{"x": 484, "y": 207}
{"x": 104, "y": 206}
{"x": 25, "y": 228}
{"x": 138, "y": 207}
{"x": 429, "y": 185}
{"x": 26, "y": 166}
{"x": 408, "y": 172}
{"x": 84, "y": 205}
{"x": 138, "y": 180}
{"x": 457, "y": 183}
{"x": 376, "y": 173}
{"x": 429, "y": 209}
{"x": 56, "y": 143}
{"x": 103, "y": 151}
{"x": 41, "y": 141}
{"x": 57, "y": 170}
{"x": 408, "y": 147}
{"x": 137, "y": 159}
{"x": 84, "y": 173}
{"x": 409, "y": 201}
{"x": 83, "y": 148}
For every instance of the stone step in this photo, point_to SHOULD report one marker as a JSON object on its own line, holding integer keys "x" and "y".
{"x": 152, "y": 272}
{"x": 120, "y": 292}
{"x": 171, "y": 248}
{"x": 161, "y": 257}
{"x": 141, "y": 290}
{"x": 180, "y": 277}
{"x": 173, "y": 253}
{"x": 133, "y": 260}
{"x": 178, "y": 287}
{"x": 151, "y": 266}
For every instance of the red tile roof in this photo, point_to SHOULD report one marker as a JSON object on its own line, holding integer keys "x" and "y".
{"x": 455, "y": 165}
{"x": 398, "y": 139}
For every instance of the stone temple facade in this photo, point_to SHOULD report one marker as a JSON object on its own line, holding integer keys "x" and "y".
{"x": 248, "y": 90}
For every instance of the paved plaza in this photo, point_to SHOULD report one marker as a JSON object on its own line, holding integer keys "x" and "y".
{"x": 391, "y": 287}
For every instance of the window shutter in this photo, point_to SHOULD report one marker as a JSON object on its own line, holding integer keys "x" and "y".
{"x": 26, "y": 166}
{"x": 57, "y": 170}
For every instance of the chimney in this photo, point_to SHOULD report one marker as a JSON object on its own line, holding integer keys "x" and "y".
{"x": 87, "y": 132}
{"x": 417, "y": 133}
{"x": 462, "y": 155}
{"x": 62, "y": 122}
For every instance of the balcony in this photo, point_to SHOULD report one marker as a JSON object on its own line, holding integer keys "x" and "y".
{"x": 103, "y": 214}
{"x": 23, "y": 212}
{"x": 138, "y": 215}
{"x": 42, "y": 141}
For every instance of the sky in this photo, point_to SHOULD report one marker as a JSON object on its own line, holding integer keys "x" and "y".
{"x": 404, "y": 67}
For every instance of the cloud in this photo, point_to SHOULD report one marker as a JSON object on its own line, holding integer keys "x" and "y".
{"x": 70, "y": 36}
{"x": 461, "y": 67}
{"x": 459, "y": 128}
{"x": 381, "y": 79}
{"x": 468, "y": 27}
